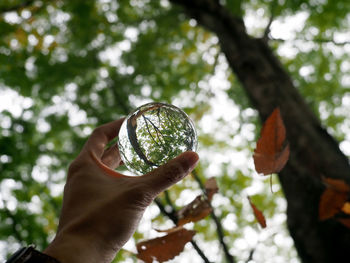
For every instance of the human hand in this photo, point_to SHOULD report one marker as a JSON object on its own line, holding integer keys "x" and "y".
{"x": 101, "y": 207}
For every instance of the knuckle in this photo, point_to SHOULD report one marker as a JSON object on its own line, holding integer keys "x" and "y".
{"x": 74, "y": 167}
{"x": 174, "y": 172}
{"x": 77, "y": 167}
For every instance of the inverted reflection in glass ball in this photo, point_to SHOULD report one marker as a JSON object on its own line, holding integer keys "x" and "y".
{"x": 153, "y": 134}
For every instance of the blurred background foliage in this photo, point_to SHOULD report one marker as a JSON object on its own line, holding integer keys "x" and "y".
{"x": 69, "y": 66}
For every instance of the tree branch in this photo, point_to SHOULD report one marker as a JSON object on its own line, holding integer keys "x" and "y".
{"x": 217, "y": 221}
{"x": 16, "y": 7}
{"x": 319, "y": 40}
{"x": 172, "y": 216}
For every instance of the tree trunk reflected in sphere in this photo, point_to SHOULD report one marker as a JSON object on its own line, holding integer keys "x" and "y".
{"x": 153, "y": 134}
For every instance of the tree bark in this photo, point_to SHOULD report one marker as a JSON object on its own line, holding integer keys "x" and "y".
{"x": 314, "y": 153}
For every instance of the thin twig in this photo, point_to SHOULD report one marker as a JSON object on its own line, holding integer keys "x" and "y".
{"x": 319, "y": 40}
{"x": 155, "y": 128}
{"x": 216, "y": 62}
{"x": 219, "y": 228}
{"x": 15, "y": 232}
{"x": 251, "y": 253}
{"x": 324, "y": 40}
{"x": 162, "y": 209}
{"x": 173, "y": 217}
{"x": 149, "y": 132}
{"x": 272, "y": 17}
{"x": 168, "y": 200}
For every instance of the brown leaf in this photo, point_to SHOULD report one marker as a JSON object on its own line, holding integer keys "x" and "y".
{"x": 200, "y": 207}
{"x": 336, "y": 184}
{"x": 258, "y": 214}
{"x": 272, "y": 151}
{"x": 164, "y": 248}
{"x": 211, "y": 187}
{"x": 333, "y": 199}
{"x": 345, "y": 221}
{"x": 194, "y": 211}
{"x": 331, "y": 203}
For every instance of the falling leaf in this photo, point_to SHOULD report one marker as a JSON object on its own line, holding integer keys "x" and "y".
{"x": 211, "y": 187}
{"x": 331, "y": 203}
{"x": 258, "y": 214}
{"x": 164, "y": 248}
{"x": 336, "y": 184}
{"x": 333, "y": 198}
{"x": 346, "y": 208}
{"x": 345, "y": 221}
{"x": 198, "y": 209}
{"x": 272, "y": 151}
{"x": 170, "y": 230}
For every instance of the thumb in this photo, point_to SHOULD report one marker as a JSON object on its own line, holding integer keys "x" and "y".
{"x": 170, "y": 173}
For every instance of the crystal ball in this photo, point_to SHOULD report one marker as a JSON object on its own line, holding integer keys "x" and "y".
{"x": 153, "y": 134}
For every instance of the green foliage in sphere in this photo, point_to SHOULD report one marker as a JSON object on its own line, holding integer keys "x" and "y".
{"x": 153, "y": 134}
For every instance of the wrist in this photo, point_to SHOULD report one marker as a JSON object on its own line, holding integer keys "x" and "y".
{"x": 68, "y": 248}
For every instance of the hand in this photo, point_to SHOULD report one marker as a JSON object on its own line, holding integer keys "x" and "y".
{"x": 101, "y": 207}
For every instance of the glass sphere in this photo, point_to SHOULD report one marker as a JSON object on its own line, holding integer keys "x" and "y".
{"x": 153, "y": 134}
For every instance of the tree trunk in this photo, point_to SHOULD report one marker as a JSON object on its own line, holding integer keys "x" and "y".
{"x": 314, "y": 153}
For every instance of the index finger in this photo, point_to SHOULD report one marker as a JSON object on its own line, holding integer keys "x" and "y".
{"x": 101, "y": 136}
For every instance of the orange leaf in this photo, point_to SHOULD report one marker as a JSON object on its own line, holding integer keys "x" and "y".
{"x": 331, "y": 203}
{"x": 211, "y": 187}
{"x": 272, "y": 151}
{"x": 194, "y": 211}
{"x": 164, "y": 248}
{"x": 258, "y": 214}
{"x": 346, "y": 208}
{"x": 345, "y": 221}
